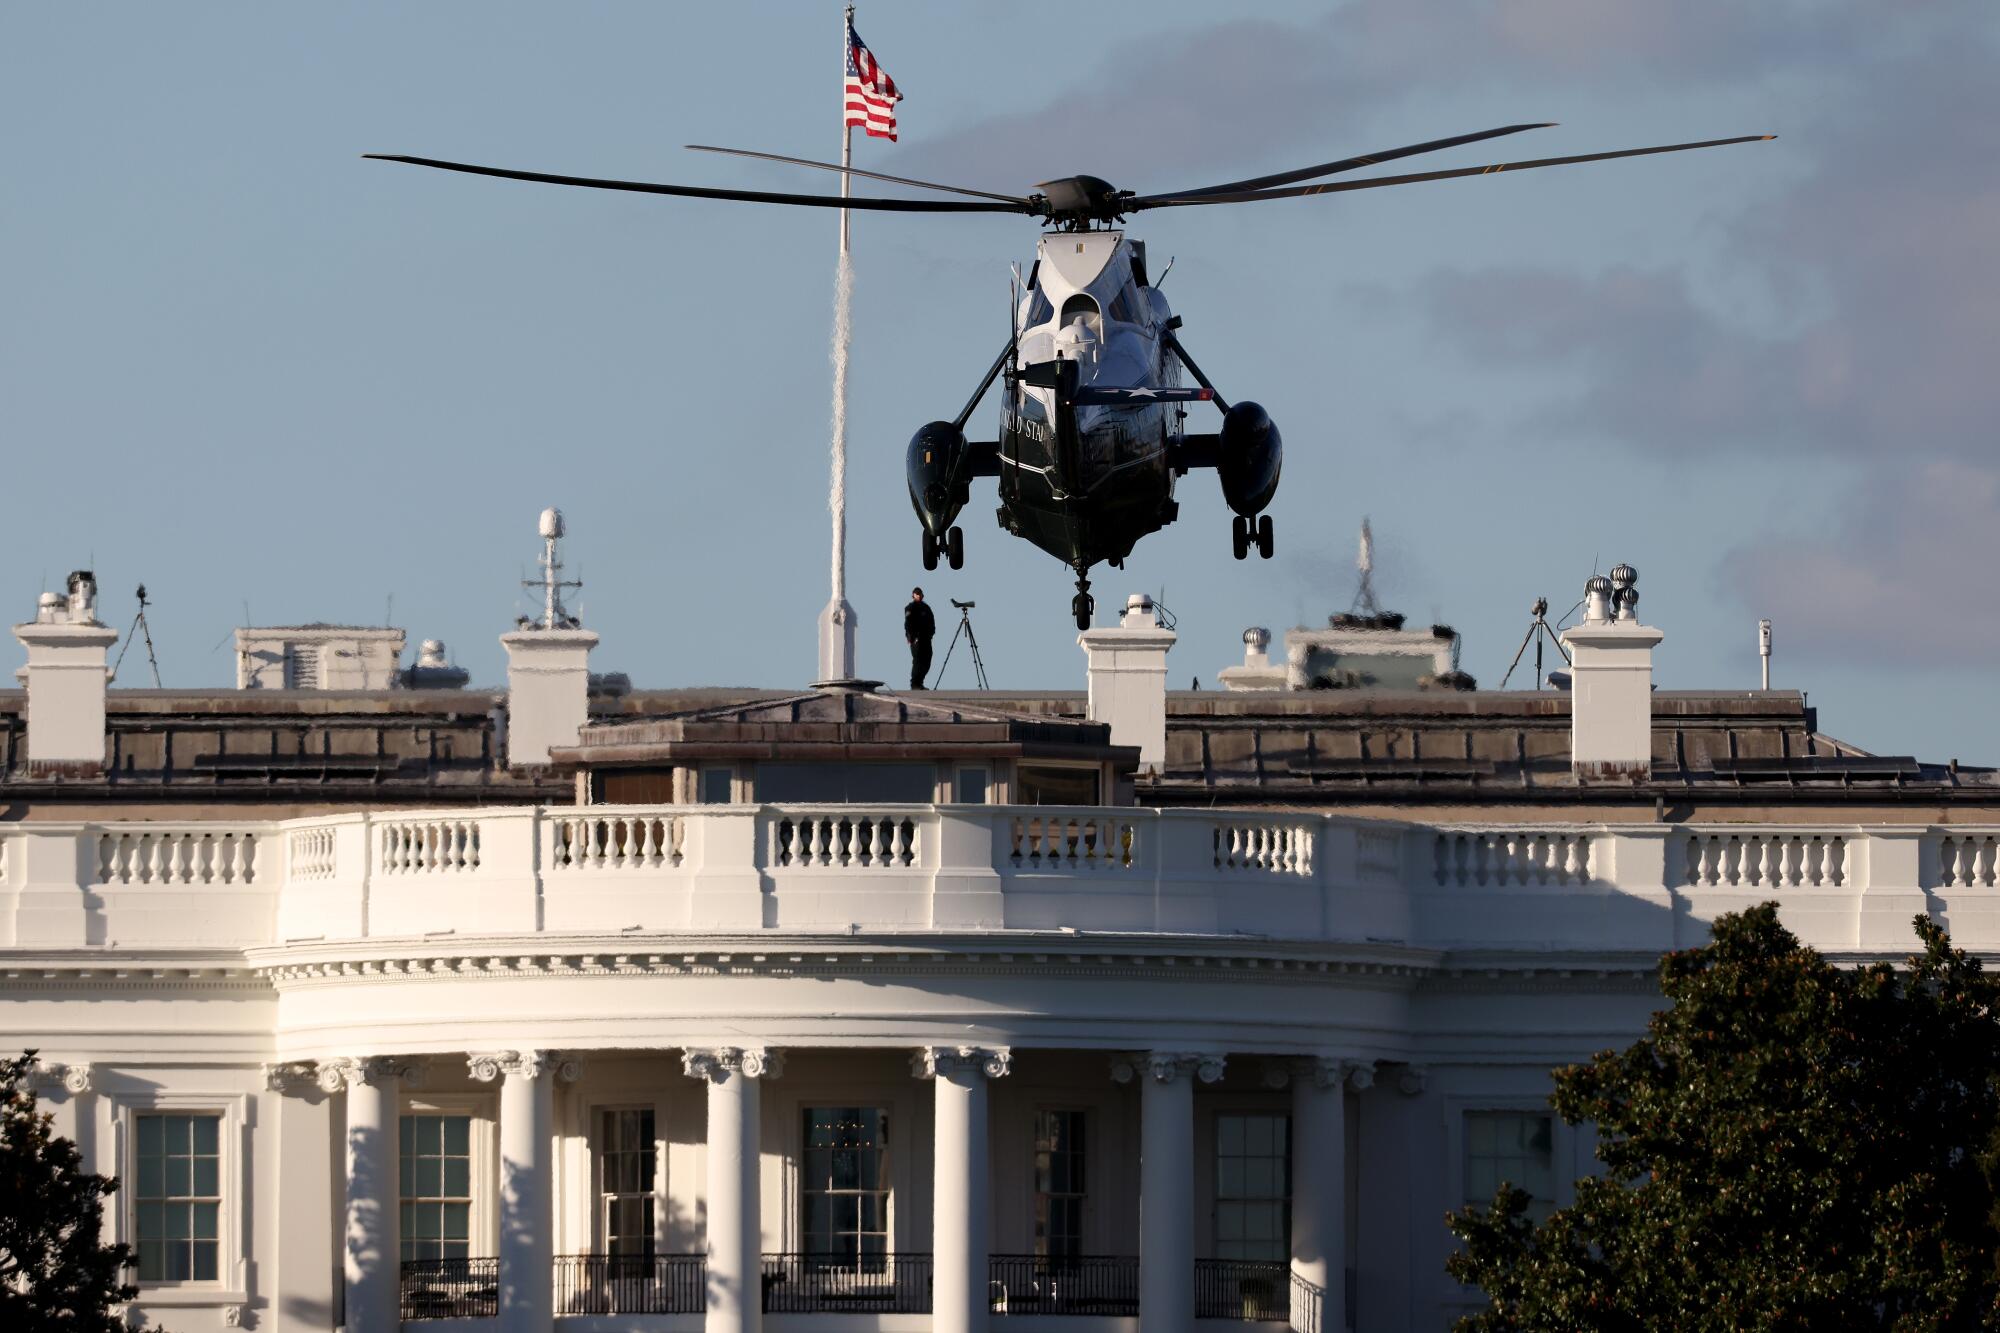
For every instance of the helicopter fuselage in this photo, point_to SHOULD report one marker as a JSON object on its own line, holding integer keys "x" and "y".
{"x": 1093, "y": 416}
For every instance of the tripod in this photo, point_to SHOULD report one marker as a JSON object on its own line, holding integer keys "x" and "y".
{"x": 139, "y": 624}
{"x": 971, "y": 641}
{"x": 1537, "y": 627}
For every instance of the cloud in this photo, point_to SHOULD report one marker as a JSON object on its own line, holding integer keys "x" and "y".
{"x": 1878, "y": 267}
{"x": 1902, "y": 577}
{"x": 1883, "y": 256}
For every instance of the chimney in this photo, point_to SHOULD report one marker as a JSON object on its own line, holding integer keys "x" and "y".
{"x": 548, "y": 663}
{"x": 1128, "y": 680}
{"x": 66, "y": 680}
{"x": 1611, "y": 682}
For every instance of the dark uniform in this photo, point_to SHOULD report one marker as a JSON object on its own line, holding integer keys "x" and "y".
{"x": 919, "y": 627}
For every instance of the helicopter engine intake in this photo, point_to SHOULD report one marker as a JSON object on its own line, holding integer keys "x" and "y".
{"x": 1250, "y": 456}
{"x": 938, "y": 470}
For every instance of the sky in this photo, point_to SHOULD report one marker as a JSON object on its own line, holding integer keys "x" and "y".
{"x": 276, "y": 383}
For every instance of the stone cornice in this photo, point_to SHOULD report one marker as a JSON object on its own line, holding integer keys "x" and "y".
{"x": 1366, "y": 966}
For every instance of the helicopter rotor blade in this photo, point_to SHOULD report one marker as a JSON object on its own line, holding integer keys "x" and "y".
{"x": 856, "y": 171}
{"x": 709, "y": 192}
{"x": 1375, "y": 182}
{"x": 1362, "y": 160}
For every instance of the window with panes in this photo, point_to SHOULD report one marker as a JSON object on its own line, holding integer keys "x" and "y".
{"x": 1060, "y": 1188}
{"x": 177, "y": 1201}
{"x": 627, "y": 1158}
{"x": 1516, "y": 1147}
{"x": 435, "y": 1171}
{"x": 1253, "y": 1186}
{"x": 844, "y": 1186}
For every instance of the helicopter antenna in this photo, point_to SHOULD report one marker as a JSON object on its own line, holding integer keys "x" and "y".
{"x": 1364, "y": 595}
{"x": 1159, "y": 281}
{"x": 139, "y": 626}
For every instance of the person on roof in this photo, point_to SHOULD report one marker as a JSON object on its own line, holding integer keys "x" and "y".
{"x": 919, "y": 627}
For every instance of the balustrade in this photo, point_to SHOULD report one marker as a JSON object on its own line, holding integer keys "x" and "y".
{"x": 630, "y": 1284}
{"x": 1059, "y": 839}
{"x": 1966, "y": 860}
{"x": 593, "y": 841}
{"x": 1252, "y": 1289}
{"x": 826, "y": 1283}
{"x": 1039, "y": 1284}
{"x": 142, "y": 855}
{"x": 851, "y": 839}
{"x": 450, "y": 1288}
{"x": 428, "y": 846}
{"x": 1530, "y": 858}
{"x": 310, "y": 853}
{"x": 1283, "y": 875}
{"x": 1765, "y": 860}
{"x": 1282, "y": 849}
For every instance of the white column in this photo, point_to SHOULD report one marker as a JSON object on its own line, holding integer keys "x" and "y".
{"x": 1166, "y": 1183}
{"x": 371, "y": 1256}
{"x": 735, "y": 1226}
{"x": 1319, "y": 1185}
{"x": 304, "y": 1197}
{"x": 527, "y": 1220}
{"x": 962, "y": 1171}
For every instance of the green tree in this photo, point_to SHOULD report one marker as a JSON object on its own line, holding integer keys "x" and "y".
{"x": 54, "y": 1273}
{"x": 1792, "y": 1146}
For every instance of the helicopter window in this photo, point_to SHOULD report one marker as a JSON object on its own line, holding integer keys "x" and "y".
{"x": 1079, "y": 305}
{"x": 1039, "y": 310}
{"x": 1126, "y": 307}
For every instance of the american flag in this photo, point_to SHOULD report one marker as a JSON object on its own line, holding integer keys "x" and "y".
{"x": 870, "y": 93}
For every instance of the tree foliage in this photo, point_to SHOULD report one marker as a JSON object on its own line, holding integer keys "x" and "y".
{"x": 54, "y": 1273}
{"x": 1792, "y": 1146}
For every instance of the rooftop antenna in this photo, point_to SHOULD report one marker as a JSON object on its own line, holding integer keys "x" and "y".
{"x": 1538, "y": 628}
{"x": 1364, "y": 595}
{"x": 551, "y": 583}
{"x": 139, "y": 626}
{"x": 1764, "y": 649}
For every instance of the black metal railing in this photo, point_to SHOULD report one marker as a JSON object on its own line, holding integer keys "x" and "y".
{"x": 630, "y": 1284}
{"x": 450, "y": 1288}
{"x": 1258, "y": 1289}
{"x": 1308, "y": 1302}
{"x": 1025, "y": 1284}
{"x": 826, "y": 1283}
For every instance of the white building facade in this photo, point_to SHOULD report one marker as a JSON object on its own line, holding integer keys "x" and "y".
{"x": 521, "y": 1058}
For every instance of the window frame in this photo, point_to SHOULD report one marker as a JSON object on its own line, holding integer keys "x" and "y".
{"x": 186, "y": 1201}
{"x": 231, "y": 1283}
{"x": 1457, "y": 1297}
{"x": 483, "y": 1230}
{"x": 1562, "y": 1186}
{"x": 885, "y": 1176}
{"x": 600, "y": 1240}
{"x": 1085, "y": 1219}
{"x": 1283, "y": 1176}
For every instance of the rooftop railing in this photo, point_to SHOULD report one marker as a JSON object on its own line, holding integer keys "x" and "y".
{"x": 617, "y": 870}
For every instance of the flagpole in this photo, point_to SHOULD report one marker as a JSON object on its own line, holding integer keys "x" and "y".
{"x": 837, "y": 622}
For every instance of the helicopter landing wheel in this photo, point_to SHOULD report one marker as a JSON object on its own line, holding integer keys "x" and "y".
{"x": 1084, "y": 606}
{"x": 1265, "y": 542}
{"x": 930, "y": 551}
{"x": 954, "y": 547}
{"x": 1239, "y": 536}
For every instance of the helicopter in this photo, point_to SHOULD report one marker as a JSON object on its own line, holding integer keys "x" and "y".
{"x": 1094, "y": 404}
